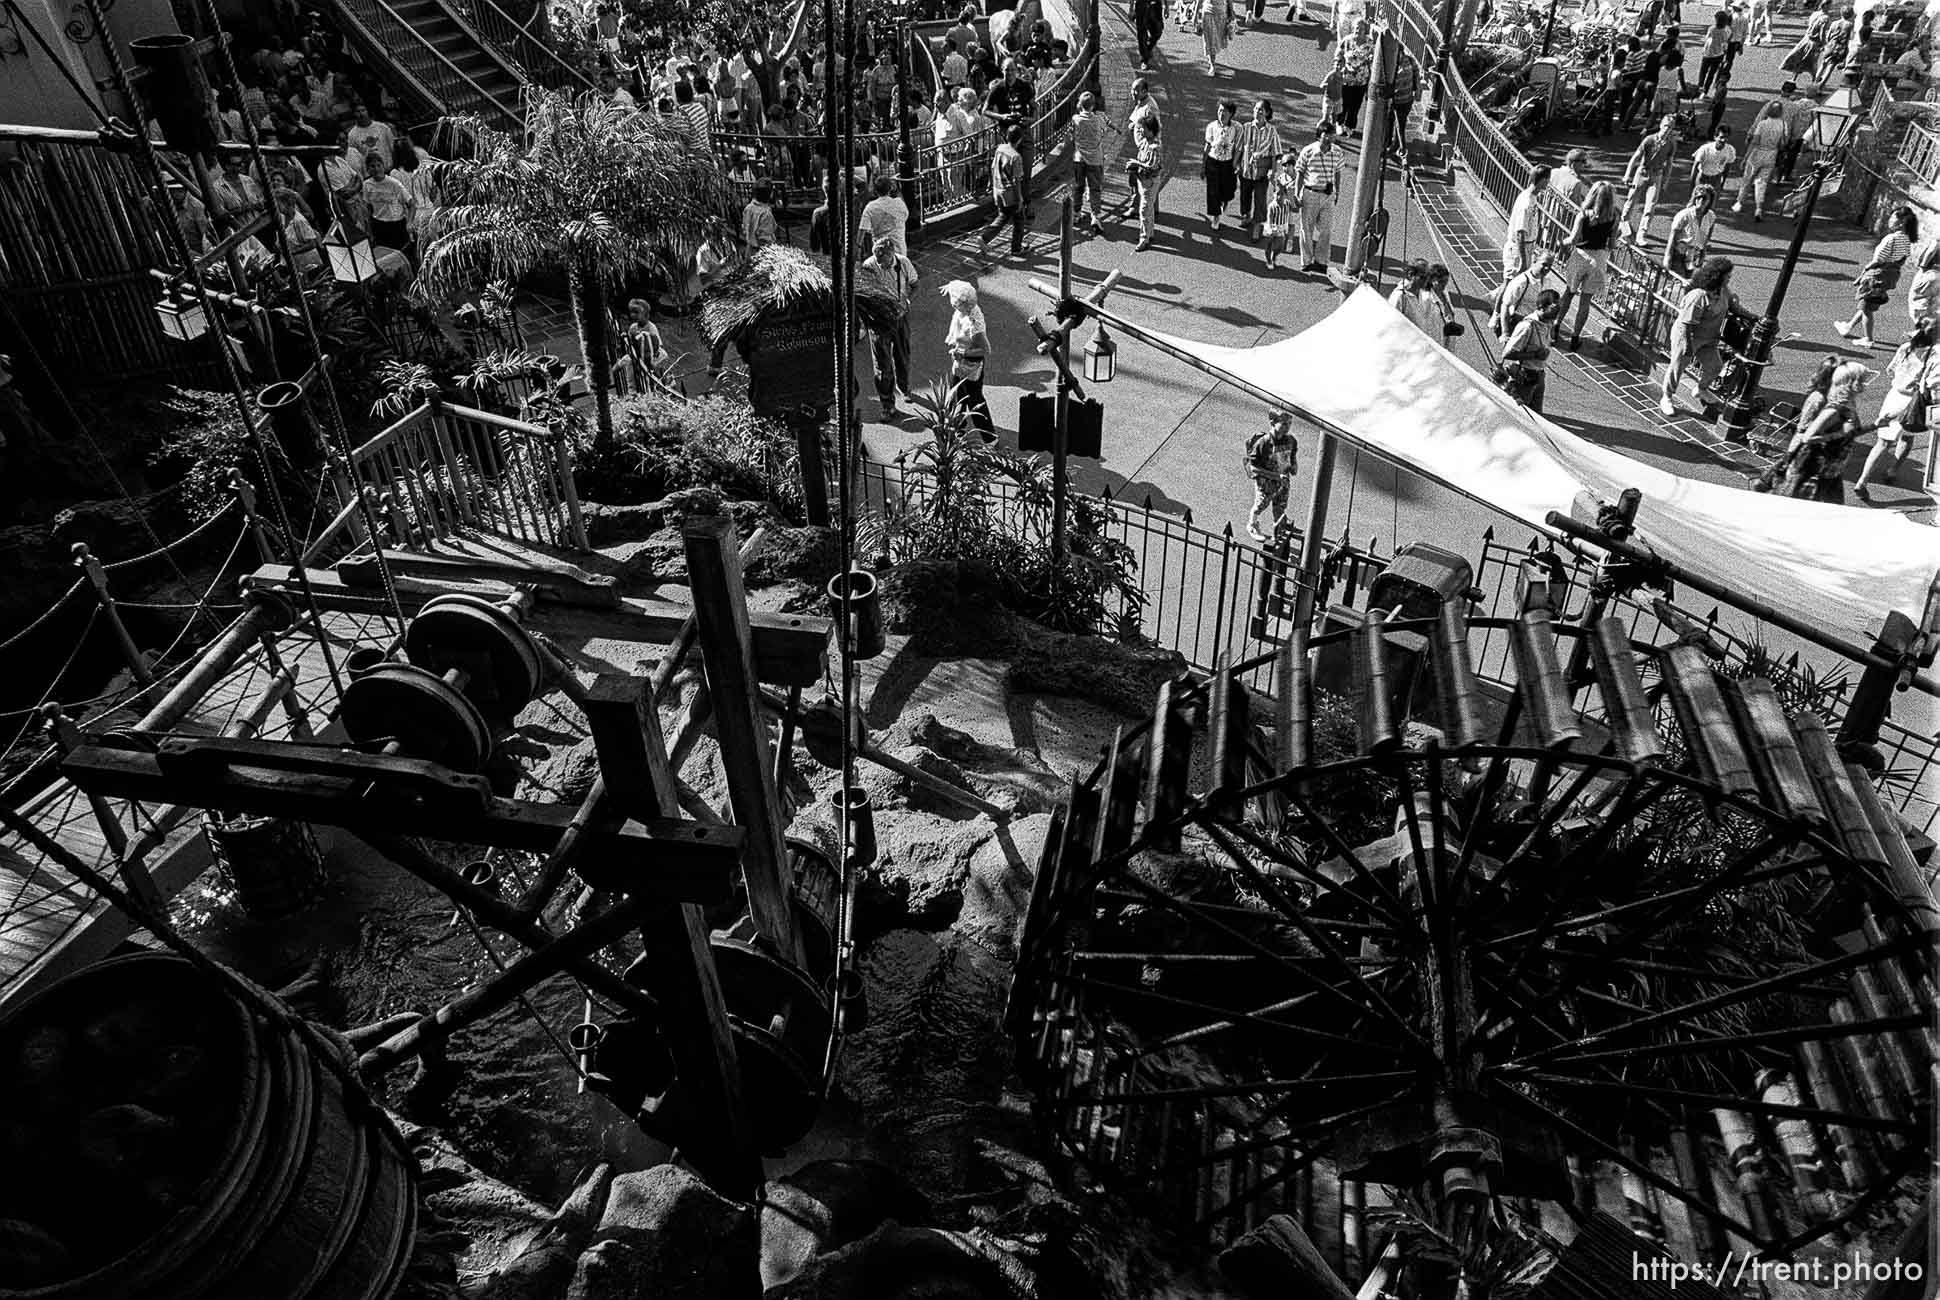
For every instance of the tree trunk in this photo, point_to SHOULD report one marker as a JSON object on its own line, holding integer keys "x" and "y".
{"x": 589, "y": 318}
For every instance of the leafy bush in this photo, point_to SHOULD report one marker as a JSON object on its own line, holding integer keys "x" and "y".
{"x": 665, "y": 444}
{"x": 973, "y": 502}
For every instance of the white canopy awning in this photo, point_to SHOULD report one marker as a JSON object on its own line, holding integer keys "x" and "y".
{"x": 1371, "y": 374}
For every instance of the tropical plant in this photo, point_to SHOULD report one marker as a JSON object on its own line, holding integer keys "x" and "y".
{"x": 591, "y": 189}
{"x": 968, "y": 501}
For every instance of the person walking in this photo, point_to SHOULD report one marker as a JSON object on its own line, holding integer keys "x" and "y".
{"x": 1712, "y": 161}
{"x": 1517, "y": 298}
{"x": 1631, "y": 80}
{"x": 1590, "y": 239}
{"x": 1818, "y": 467}
{"x": 1272, "y": 461}
{"x": 1571, "y": 181}
{"x": 1711, "y": 55}
{"x": 1257, "y": 150}
{"x": 1402, "y": 92}
{"x": 886, "y": 273}
{"x": 1740, "y": 30}
{"x": 1910, "y": 379}
{"x": 1646, "y": 176}
{"x": 1798, "y": 113}
{"x": 1524, "y": 235}
{"x": 1810, "y": 404}
{"x": 1010, "y": 104}
{"x": 1007, "y": 191}
{"x": 1414, "y": 299}
{"x": 1088, "y": 128}
{"x": 1881, "y": 274}
{"x": 1923, "y": 291}
{"x": 1282, "y": 208}
{"x": 1525, "y": 357}
{"x": 1144, "y": 169}
{"x": 885, "y": 216}
{"x": 968, "y": 345}
{"x": 1767, "y": 139}
{"x": 1148, "y": 19}
{"x": 1691, "y": 231}
{"x": 1697, "y": 330}
{"x": 1143, "y": 107}
{"x": 1316, "y": 176}
{"x": 1215, "y": 29}
{"x": 389, "y": 203}
{"x": 1354, "y": 60}
{"x": 1221, "y": 145}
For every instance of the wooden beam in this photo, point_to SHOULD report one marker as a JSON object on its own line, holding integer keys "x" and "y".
{"x": 789, "y": 649}
{"x": 690, "y": 862}
{"x": 678, "y": 958}
{"x": 721, "y": 611}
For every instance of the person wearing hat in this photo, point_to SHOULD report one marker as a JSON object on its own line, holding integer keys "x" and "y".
{"x": 1272, "y": 459}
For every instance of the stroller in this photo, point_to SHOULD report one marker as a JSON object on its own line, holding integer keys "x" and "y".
{"x": 1527, "y": 115}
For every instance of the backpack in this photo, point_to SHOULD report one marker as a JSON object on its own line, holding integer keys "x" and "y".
{"x": 1260, "y": 458}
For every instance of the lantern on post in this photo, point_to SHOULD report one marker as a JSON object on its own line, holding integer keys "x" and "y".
{"x": 181, "y": 313}
{"x": 1832, "y": 121}
{"x": 1101, "y": 358}
{"x": 350, "y": 262}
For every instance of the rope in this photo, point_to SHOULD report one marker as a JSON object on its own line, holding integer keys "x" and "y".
{"x": 54, "y": 684}
{"x": 552, "y": 1035}
{"x": 51, "y": 610}
{"x": 160, "y": 551}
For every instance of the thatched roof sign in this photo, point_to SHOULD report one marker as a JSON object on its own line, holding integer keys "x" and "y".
{"x": 780, "y": 309}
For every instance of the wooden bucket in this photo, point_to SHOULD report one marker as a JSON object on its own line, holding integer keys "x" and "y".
{"x": 189, "y": 1146}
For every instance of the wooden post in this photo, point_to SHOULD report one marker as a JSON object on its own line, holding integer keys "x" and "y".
{"x": 568, "y": 491}
{"x": 246, "y": 495}
{"x": 679, "y": 961}
{"x": 721, "y": 612}
{"x": 807, "y": 428}
{"x": 97, "y": 576}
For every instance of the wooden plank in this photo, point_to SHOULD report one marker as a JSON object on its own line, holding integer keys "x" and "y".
{"x": 721, "y": 612}
{"x": 789, "y": 649}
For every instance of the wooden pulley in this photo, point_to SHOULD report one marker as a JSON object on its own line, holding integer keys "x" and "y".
{"x": 485, "y": 641}
{"x": 419, "y": 713}
{"x": 781, "y": 1023}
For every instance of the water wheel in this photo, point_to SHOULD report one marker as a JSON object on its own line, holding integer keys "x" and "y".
{"x": 1623, "y": 935}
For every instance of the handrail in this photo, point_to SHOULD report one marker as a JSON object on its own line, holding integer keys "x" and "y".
{"x": 389, "y": 434}
{"x": 384, "y": 52}
{"x": 522, "y": 37}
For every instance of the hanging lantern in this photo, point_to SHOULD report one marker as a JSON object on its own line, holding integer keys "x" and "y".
{"x": 350, "y": 263}
{"x": 1101, "y": 358}
{"x": 181, "y": 314}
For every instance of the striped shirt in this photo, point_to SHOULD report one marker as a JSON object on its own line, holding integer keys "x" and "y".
{"x": 1317, "y": 166}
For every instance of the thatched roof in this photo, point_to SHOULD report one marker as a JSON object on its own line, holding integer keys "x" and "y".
{"x": 779, "y": 278}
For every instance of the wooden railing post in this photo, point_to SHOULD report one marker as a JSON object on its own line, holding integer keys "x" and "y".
{"x": 85, "y": 560}
{"x": 562, "y": 461}
{"x": 133, "y": 874}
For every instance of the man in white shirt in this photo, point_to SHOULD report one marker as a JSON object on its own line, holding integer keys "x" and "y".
{"x": 1518, "y": 297}
{"x": 956, "y": 68}
{"x": 1525, "y": 230}
{"x": 610, "y": 89}
{"x": 372, "y": 136}
{"x": 886, "y": 216}
{"x": 1712, "y": 160}
{"x": 1572, "y": 179}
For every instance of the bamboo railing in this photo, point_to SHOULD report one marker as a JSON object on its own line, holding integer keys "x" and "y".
{"x": 78, "y": 234}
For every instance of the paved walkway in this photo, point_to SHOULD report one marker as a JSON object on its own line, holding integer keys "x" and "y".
{"x": 1821, "y": 290}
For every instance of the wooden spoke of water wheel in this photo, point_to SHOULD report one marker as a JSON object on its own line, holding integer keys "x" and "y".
{"x": 1559, "y": 933}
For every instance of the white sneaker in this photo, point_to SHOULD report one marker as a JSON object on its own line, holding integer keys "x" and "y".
{"x": 1668, "y": 407}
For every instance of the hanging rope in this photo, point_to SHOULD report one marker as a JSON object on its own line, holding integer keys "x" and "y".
{"x": 46, "y": 614}
{"x": 189, "y": 536}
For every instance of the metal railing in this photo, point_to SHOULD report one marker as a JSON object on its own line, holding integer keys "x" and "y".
{"x": 946, "y": 177}
{"x": 444, "y": 470}
{"x": 528, "y": 53}
{"x": 1919, "y": 152}
{"x": 387, "y": 38}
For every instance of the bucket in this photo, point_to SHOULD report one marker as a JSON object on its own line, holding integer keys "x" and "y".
{"x": 275, "y": 864}
{"x": 188, "y": 1147}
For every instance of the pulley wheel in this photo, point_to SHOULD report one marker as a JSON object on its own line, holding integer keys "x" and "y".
{"x": 418, "y": 710}
{"x": 483, "y": 641}
{"x": 781, "y": 1077}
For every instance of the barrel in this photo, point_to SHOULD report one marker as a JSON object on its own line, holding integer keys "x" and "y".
{"x": 184, "y": 1143}
{"x": 818, "y": 902}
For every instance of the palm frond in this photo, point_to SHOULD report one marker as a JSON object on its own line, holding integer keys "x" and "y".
{"x": 779, "y": 279}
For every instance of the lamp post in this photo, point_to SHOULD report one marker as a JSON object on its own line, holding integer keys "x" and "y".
{"x": 1829, "y": 127}
{"x": 905, "y": 149}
